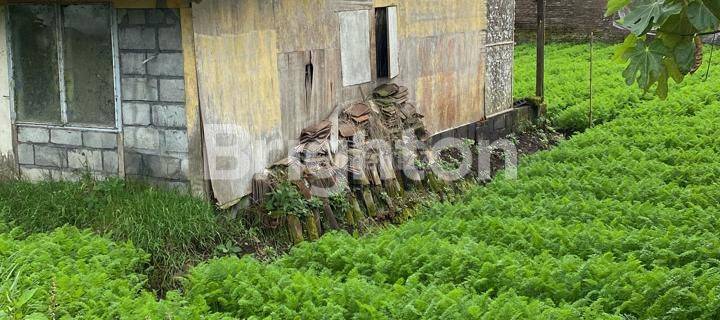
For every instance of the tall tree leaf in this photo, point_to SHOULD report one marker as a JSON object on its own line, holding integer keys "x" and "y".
{"x": 701, "y": 17}
{"x": 713, "y": 6}
{"x": 684, "y": 53}
{"x": 645, "y": 13}
{"x": 615, "y": 6}
{"x": 646, "y": 63}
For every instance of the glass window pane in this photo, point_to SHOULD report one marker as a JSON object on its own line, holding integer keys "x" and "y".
{"x": 89, "y": 84}
{"x": 34, "y": 57}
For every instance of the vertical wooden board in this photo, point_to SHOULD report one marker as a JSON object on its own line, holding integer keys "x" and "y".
{"x": 393, "y": 42}
{"x": 305, "y": 85}
{"x": 355, "y": 47}
{"x": 192, "y": 107}
{"x": 239, "y": 93}
{"x": 7, "y": 156}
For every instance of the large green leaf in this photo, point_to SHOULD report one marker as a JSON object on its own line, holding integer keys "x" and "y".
{"x": 646, "y": 13}
{"x": 646, "y": 63}
{"x": 713, "y": 6}
{"x": 623, "y": 51}
{"x": 701, "y": 17}
{"x": 684, "y": 53}
{"x": 615, "y": 6}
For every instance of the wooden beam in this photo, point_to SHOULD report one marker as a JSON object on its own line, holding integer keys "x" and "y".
{"x": 148, "y": 4}
{"x": 540, "y": 69}
{"x": 120, "y": 4}
{"x": 198, "y": 184}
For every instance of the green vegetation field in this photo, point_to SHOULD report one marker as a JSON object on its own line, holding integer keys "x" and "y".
{"x": 618, "y": 222}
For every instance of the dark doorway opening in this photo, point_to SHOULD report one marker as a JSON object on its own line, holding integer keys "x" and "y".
{"x": 382, "y": 40}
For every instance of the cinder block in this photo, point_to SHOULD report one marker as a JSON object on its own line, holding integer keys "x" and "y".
{"x": 133, "y": 63}
{"x": 66, "y": 137}
{"x": 175, "y": 140}
{"x": 166, "y": 64}
{"x": 170, "y": 38}
{"x": 162, "y": 167}
{"x": 142, "y": 89}
{"x": 66, "y": 175}
{"x": 178, "y": 186}
{"x": 142, "y": 138}
{"x": 169, "y": 116}
{"x": 172, "y": 90}
{"x": 34, "y": 135}
{"x": 35, "y": 174}
{"x": 133, "y": 163}
{"x": 110, "y": 162}
{"x": 138, "y": 38}
{"x": 100, "y": 140}
{"x": 136, "y": 113}
{"x": 26, "y": 154}
{"x": 85, "y": 159}
{"x": 50, "y": 156}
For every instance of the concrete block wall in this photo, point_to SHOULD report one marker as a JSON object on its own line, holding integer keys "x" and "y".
{"x": 153, "y": 96}
{"x": 65, "y": 154}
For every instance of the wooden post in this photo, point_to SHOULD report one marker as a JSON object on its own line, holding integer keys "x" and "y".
{"x": 295, "y": 229}
{"x": 198, "y": 185}
{"x": 540, "y": 70}
{"x": 590, "y": 112}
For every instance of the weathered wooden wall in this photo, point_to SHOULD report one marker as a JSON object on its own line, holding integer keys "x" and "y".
{"x": 7, "y": 158}
{"x": 271, "y": 68}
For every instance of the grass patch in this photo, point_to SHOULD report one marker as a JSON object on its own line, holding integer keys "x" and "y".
{"x": 177, "y": 230}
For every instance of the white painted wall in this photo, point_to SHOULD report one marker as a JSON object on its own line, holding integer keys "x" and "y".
{"x": 6, "y": 137}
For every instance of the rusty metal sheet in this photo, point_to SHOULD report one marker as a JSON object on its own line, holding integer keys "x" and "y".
{"x": 447, "y": 78}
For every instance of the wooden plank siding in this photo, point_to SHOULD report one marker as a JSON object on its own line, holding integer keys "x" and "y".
{"x": 271, "y": 68}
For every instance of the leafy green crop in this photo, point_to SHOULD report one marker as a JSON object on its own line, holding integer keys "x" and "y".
{"x": 567, "y": 86}
{"x": 618, "y": 222}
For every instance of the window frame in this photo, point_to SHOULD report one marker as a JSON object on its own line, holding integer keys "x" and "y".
{"x": 64, "y": 124}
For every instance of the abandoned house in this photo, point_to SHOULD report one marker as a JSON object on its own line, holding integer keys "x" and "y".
{"x": 137, "y": 88}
